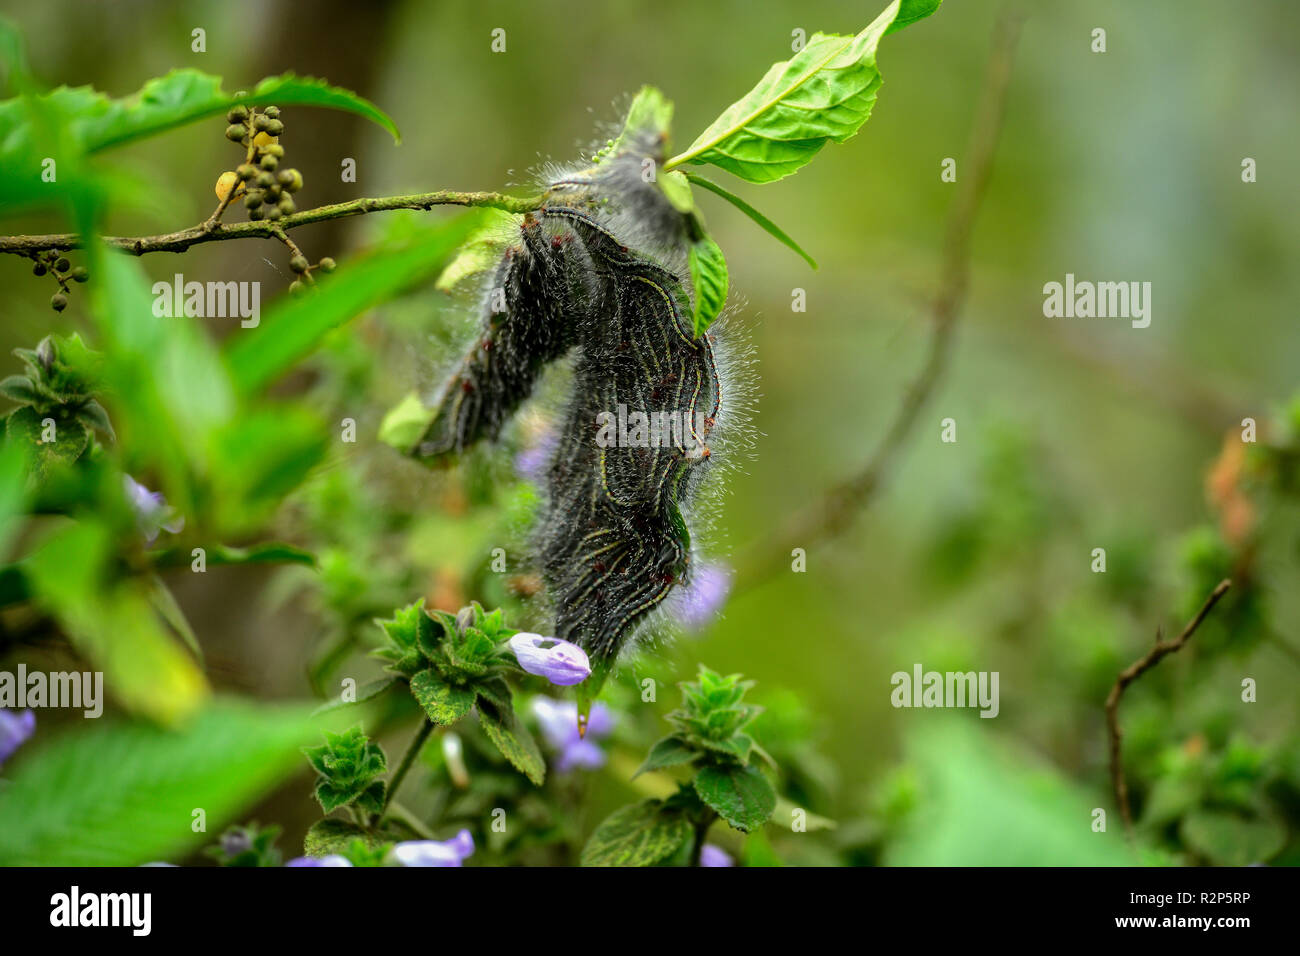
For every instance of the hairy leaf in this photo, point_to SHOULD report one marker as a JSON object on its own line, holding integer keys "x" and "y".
{"x": 443, "y": 703}
{"x": 514, "y": 741}
{"x": 638, "y": 835}
{"x": 740, "y": 795}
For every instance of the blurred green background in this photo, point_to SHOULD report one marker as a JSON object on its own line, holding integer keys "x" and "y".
{"x": 1073, "y": 434}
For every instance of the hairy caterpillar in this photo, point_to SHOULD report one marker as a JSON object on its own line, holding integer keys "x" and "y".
{"x": 599, "y": 270}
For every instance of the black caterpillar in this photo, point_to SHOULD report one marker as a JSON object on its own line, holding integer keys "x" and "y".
{"x": 599, "y": 269}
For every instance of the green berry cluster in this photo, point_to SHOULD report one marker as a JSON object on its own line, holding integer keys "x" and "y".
{"x": 56, "y": 264}
{"x": 267, "y": 189}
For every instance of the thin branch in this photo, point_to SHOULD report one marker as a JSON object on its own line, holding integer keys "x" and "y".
{"x": 215, "y": 231}
{"x": 833, "y": 513}
{"x": 408, "y": 759}
{"x": 1128, "y": 676}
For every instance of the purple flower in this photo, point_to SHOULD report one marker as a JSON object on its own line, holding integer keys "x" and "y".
{"x": 559, "y": 722}
{"x": 711, "y": 855}
{"x": 560, "y": 662}
{"x": 16, "y": 726}
{"x": 704, "y": 595}
{"x": 434, "y": 852}
{"x": 531, "y": 462}
{"x": 151, "y": 511}
{"x": 332, "y": 860}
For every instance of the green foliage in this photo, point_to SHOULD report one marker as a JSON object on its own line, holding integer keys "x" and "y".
{"x": 123, "y": 793}
{"x": 740, "y": 795}
{"x": 349, "y": 765}
{"x": 642, "y": 834}
{"x": 767, "y": 225}
{"x": 709, "y": 280}
{"x": 823, "y": 94}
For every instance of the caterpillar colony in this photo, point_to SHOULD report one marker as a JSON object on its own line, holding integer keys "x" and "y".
{"x": 600, "y": 270}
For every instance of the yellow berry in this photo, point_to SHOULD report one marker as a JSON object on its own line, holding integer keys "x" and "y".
{"x": 226, "y": 182}
{"x": 265, "y": 139}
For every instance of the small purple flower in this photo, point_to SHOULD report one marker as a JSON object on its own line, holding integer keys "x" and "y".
{"x": 559, "y": 722}
{"x": 560, "y": 662}
{"x": 703, "y": 597}
{"x": 332, "y": 860}
{"x": 711, "y": 855}
{"x": 151, "y": 511}
{"x": 16, "y": 726}
{"x": 531, "y": 462}
{"x": 434, "y": 852}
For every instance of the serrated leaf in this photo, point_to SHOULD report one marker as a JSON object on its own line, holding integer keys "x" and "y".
{"x": 443, "y": 703}
{"x": 24, "y": 426}
{"x": 823, "y": 94}
{"x": 514, "y": 741}
{"x": 638, "y": 835}
{"x": 767, "y": 225}
{"x": 120, "y": 794}
{"x": 740, "y": 795}
{"x": 710, "y": 281}
{"x": 18, "y": 388}
{"x": 669, "y": 752}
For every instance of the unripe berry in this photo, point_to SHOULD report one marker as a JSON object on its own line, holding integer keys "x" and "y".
{"x": 274, "y": 127}
{"x": 298, "y": 264}
{"x": 287, "y": 205}
{"x": 260, "y": 122}
{"x": 266, "y": 180}
{"x": 80, "y": 274}
{"x": 272, "y": 111}
{"x": 271, "y": 213}
{"x": 269, "y": 162}
{"x": 245, "y": 171}
{"x": 253, "y": 200}
{"x": 290, "y": 179}
{"x": 59, "y": 301}
{"x": 296, "y": 288}
{"x": 327, "y": 264}
{"x": 236, "y": 132}
{"x": 63, "y": 265}
{"x": 39, "y": 269}
{"x": 237, "y": 114}
{"x": 274, "y": 149}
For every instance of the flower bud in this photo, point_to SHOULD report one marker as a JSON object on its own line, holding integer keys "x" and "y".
{"x": 560, "y": 662}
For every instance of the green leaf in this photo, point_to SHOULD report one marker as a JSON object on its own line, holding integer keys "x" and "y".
{"x": 823, "y": 94}
{"x": 638, "y": 835}
{"x": 114, "y": 624}
{"x": 766, "y": 224}
{"x": 405, "y": 423}
{"x": 740, "y": 795}
{"x": 650, "y": 110}
{"x": 669, "y": 752}
{"x": 95, "y": 122}
{"x": 13, "y": 498}
{"x": 18, "y": 388}
{"x": 514, "y": 741}
{"x": 1231, "y": 839}
{"x": 295, "y": 325}
{"x": 269, "y": 552}
{"x": 443, "y": 703}
{"x": 334, "y": 836}
{"x": 121, "y": 794}
{"x": 709, "y": 279}
{"x": 24, "y": 427}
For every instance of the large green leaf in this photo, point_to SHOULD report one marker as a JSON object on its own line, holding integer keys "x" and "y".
{"x": 97, "y": 121}
{"x": 294, "y": 326}
{"x": 740, "y": 795}
{"x": 639, "y": 835}
{"x": 120, "y": 794}
{"x": 821, "y": 95}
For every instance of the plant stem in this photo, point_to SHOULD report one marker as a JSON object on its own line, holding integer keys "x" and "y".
{"x": 214, "y": 231}
{"x": 701, "y": 828}
{"x": 407, "y": 759}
